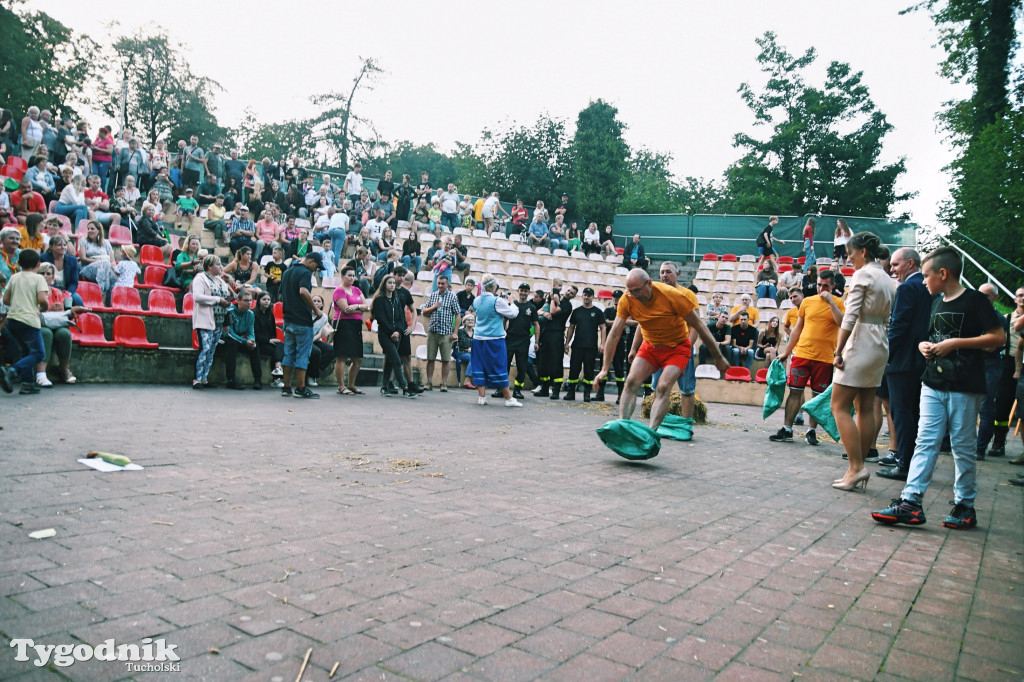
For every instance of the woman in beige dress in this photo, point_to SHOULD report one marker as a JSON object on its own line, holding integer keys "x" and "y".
{"x": 862, "y": 351}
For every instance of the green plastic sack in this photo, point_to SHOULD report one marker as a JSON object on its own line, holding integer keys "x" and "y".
{"x": 820, "y": 409}
{"x": 676, "y": 428}
{"x": 630, "y": 439}
{"x": 11, "y": 185}
{"x": 775, "y": 391}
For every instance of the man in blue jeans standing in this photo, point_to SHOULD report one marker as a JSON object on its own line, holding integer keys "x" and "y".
{"x": 687, "y": 382}
{"x": 963, "y": 326}
{"x": 297, "y": 302}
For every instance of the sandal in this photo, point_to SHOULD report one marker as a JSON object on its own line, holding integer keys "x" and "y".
{"x": 343, "y": 390}
{"x": 355, "y": 391}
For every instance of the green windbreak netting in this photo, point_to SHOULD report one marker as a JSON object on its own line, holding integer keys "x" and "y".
{"x": 681, "y": 236}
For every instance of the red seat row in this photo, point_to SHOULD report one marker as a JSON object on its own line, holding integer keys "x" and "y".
{"x": 128, "y": 300}
{"x": 129, "y": 332}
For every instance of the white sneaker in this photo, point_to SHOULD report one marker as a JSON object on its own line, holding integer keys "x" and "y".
{"x": 42, "y": 381}
{"x": 311, "y": 382}
{"x": 481, "y": 401}
{"x": 277, "y": 372}
{"x": 277, "y": 383}
{"x": 512, "y": 402}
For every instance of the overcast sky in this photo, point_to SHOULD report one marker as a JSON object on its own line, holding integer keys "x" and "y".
{"x": 453, "y": 68}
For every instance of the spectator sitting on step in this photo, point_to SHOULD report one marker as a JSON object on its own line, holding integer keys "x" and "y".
{"x": 715, "y": 307}
{"x": 238, "y": 334}
{"x": 791, "y": 278}
{"x": 96, "y": 256}
{"x": 744, "y": 306}
{"x": 768, "y": 343}
{"x": 268, "y": 233}
{"x": 51, "y": 228}
{"x": 383, "y": 244}
{"x": 421, "y": 216}
{"x": 241, "y": 230}
{"x": 767, "y": 281}
{"x": 188, "y": 263}
{"x": 556, "y": 233}
{"x": 300, "y": 248}
{"x": 148, "y": 234}
{"x": 241, "y": 273}
{"x": 123, "y": 206}
{"x": 411, "y": 258}
{"x": 721, "y": 331}
{"x": 99, "y": 203}
{"x": 592, "y": 239}
{"x": 187, "y": 206}
{"x": 66, "y": 268}
{"x": 634, "y": 255}
{"x": 744, "y": 341}
{"x": 321, "y": 354}
{"x": 538, "y": 234}
{"x": 364, "y": 266}
{"x": 461, "y": 253}
{"x": 462, "y": 352}
{"x": 327, "y": 255}
{"x": 574, "y": 237}
{"x": 608, "y": 242}
{"x": 127, "y": 269}
{"x": 288, "y": 234}
{"x": 56, "y": 335}
{"x": 265, "y": 331}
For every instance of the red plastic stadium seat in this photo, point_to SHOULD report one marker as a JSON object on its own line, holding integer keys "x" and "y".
{"x": 279, "y": 313}
{"x": 92, "y": 295}
{"x": 152, "y": 255}
{"x": 280, "y": 334}
{"x": 762, "y": 376}
{"x": 195, "y": 339}
{"x": 17, "y": 162}
{"x": 81, "y": 229}
{"x": 126, "y": 300}
{"x": 786, "y": 259}
{"x": 11, "y": 172}
{"x": 785, "y": 268}
{"x": 161, "y": 302}
{"x": 729, "y": 258}
{"x": 153, "y": 278}
{"x": 120, "y": 235}
{"x": 65, "y": 223}
{"x": 801, "y": 260}
{"x": 737, "y": 374}
{"x": 130, "y": 331}
{"x": 186, "y": 304}
{"x": 711, "y": 256}
{"x": 605, "y": 294}
{"x": 90, "y": 332}
{"x": 847, "y": 272}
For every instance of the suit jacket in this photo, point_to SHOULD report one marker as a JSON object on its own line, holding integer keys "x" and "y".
{"x": 640, "y": 254}
{"x": 70, "y": 270}
{"x": 908, "y": 325}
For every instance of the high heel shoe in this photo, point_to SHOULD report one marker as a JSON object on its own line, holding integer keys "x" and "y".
{"x": 860, "y": 480}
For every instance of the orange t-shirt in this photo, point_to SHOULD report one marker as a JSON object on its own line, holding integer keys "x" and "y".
{"x": 662, "y": 319}
{"x": 818, "y": 337}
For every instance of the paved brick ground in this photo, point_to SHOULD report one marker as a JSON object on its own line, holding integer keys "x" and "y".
{"x": 435, "y": 540}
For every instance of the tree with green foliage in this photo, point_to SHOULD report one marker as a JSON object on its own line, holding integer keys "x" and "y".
{"x": 405, "y": 157}
{"x": 822, "y": 154}
{"x": 528, "y": 163}
{"x": 987, "y": 204}
{"x": 163, "y": 95}
{"x": 44, "y": 63}
{"x": 257, "y": 140}
{"x": 337, "y": 132}
{"x": 599, "y": 157}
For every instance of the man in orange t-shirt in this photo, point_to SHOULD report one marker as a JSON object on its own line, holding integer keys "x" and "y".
{"x": 813, "y": 344}
{"x": 663, "y": 314}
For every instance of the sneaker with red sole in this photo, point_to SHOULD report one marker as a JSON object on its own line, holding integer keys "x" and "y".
{"x": 900, "y": 511}
{"x": 961, "y": 518}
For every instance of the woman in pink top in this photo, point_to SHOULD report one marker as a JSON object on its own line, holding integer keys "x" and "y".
{"x": 267, "y": 233}
{"x": 349, "y": 306}
{"x": 102, "y": 150}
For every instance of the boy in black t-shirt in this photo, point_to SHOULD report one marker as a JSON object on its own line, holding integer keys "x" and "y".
{"x": 963, "y": 325}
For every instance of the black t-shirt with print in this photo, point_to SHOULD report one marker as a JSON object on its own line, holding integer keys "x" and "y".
{"x": 587, "y": 321}
{"x": 967, "y": 316}
{"x": 519, "y": 326}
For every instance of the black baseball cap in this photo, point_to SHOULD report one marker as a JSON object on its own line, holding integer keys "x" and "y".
{"x": 587, "y": 291}
{"x": 524, "y": 286}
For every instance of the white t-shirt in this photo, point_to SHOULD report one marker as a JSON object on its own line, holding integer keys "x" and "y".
{"x": 376, "y": 227}
{"x": 489, "y": 204}
{"x": 449, "y": 202}
{"x": 592, "y": 236}
{"x": 355, "y": 182}
{"x": 841, "y": 240}
{"x": 339, "y": 221}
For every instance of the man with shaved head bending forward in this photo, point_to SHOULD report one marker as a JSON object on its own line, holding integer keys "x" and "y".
{"x": 665, "y": 316}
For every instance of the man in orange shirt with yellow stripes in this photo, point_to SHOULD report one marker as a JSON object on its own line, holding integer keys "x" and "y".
{"x": 665, "y": 316}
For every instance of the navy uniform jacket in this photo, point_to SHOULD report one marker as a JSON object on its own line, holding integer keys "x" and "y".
{"x": 908, "y": 325}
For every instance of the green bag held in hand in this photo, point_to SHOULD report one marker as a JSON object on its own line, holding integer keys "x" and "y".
{"x": 676, "y": 428}
{"x": 630, "y": 439}
{"x": 820, "y": 409}
{"x": 775, "y": 390}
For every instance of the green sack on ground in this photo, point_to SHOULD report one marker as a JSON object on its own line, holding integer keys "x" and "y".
{"x": 676, "y": 428}
{"x": 820, "y": 409}
{"x": 630, "y": 439}
{"x": 775, "y": 391}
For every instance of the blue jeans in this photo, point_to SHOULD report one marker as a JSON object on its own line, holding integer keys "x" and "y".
{"x": 413, "y": 263}
{"x": 459, "y": 357}
{"x": 809, "y": 254}
{"x": 74, "y": 213}
{"x": 557, "y": 243}
{"x": 957, "y": 412}
{"x": 30, "y": 339}
{"x": 298, "y": 341}
{"x": 687, "y": 381}
{"x": 767, "y": 291}
{"x": 100, "y": 169}
{"x": 742, "y": 357}
{"x": 987, "y": 413}
{"x": 338, "y": 239}
{"x": 450, "y": 220}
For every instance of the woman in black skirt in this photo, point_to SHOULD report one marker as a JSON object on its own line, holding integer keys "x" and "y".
{"x": 349, "y": 306}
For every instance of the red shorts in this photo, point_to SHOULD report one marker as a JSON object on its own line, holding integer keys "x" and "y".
{"x": 663, "y": 356}
{"x": 816, "y": 374}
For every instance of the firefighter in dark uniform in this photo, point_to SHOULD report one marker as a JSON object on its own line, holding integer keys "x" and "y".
{"x": 553, "y": 317}
{"x": 619, "y": 369}
{"x": 585, "y": 339}
{"x": 517, "y": 341}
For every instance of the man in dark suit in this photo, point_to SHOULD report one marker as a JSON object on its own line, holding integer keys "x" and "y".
{"x": 908, "y": 326}
{"x": 634, "y": 256}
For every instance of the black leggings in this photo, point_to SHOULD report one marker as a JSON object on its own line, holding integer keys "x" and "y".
{"x": 392, "y": 361}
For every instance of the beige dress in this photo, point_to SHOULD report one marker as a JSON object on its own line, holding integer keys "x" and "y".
{"x": 868, "y": 304}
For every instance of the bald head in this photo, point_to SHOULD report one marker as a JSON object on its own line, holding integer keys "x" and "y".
{"x": 990, "y": 291}
{"x": 637, "y": 282}
{"x": 904, "y": 263}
